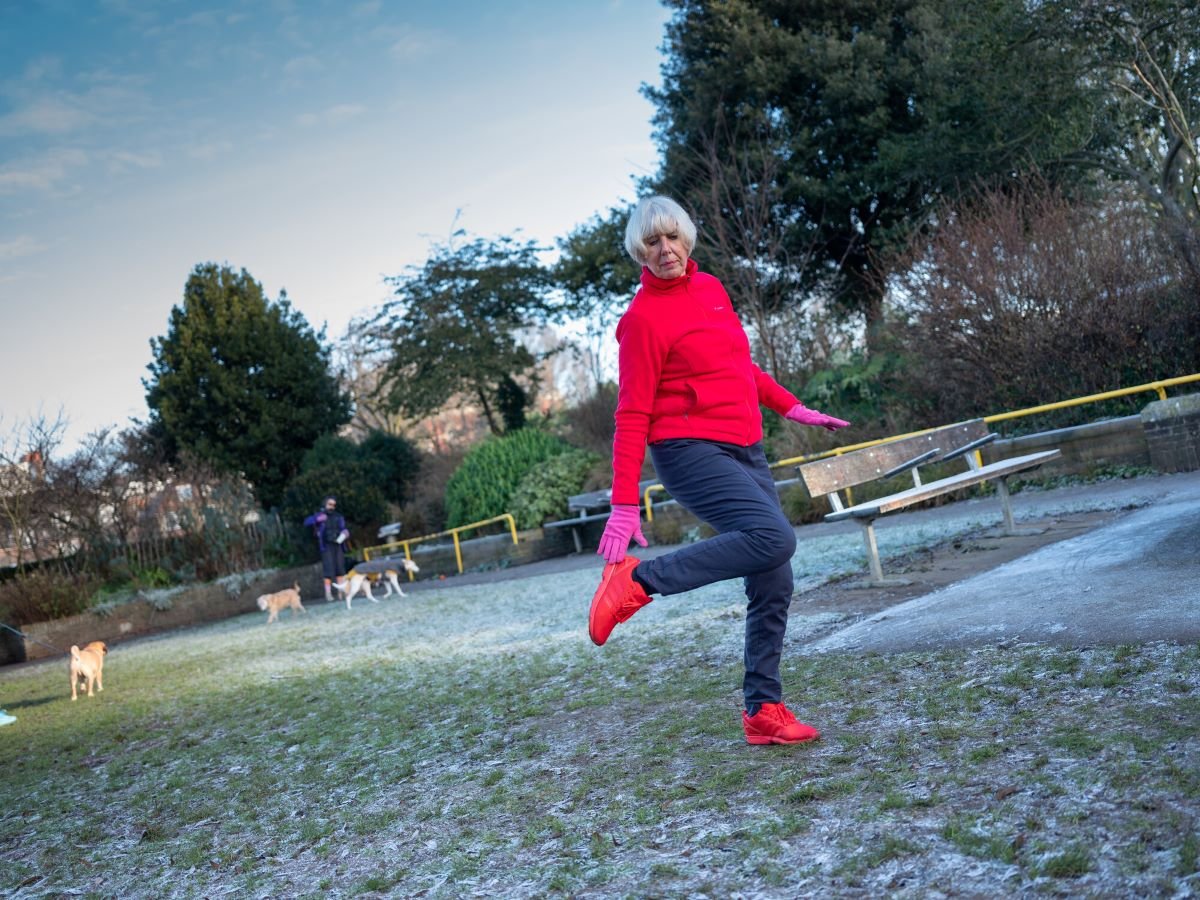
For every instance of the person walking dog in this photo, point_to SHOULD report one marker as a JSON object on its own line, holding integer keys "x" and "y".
{"x": 689, "y": 390}
{"x": 331, "y": 532}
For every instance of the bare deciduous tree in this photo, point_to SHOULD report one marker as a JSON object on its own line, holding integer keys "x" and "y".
{"x": 24, "y": 452}
{"x": 1142, "y": 57}
{"x": 1022, "y": 296}
{"x": 748, "y": 230}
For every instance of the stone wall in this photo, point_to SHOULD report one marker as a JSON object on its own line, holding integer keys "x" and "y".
{"x": 492, "y": 551}
{"x": 1172, "y": 428}
{"x": 1085, "y": 448}
{"x": 158, "y": 610}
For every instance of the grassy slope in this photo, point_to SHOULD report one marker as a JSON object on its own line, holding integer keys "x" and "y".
{"x": 473, "y": 739}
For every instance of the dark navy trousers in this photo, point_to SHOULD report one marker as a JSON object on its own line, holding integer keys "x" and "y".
{"x": 731, "y": 488}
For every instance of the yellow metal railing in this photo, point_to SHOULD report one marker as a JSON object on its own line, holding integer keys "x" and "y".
{"x": 1159, "y": 387}
{"x": 383, "y": 549}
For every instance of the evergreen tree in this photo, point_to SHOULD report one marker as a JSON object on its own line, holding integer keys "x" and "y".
{"x": 241, "y": 382}
{"x": 874, "y": 110}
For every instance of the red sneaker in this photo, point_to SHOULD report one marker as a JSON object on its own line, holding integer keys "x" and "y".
{"x": 775, "y": 724}
{"x": 617, "y": 598}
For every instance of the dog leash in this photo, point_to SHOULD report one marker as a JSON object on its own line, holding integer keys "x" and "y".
{"x": 35, "y": 640}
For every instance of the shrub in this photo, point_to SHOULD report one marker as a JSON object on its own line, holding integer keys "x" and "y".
{"x": 44, "y": 595}
{"x": 359, "y": 499}
{"x": 328, "y": 450}
{"x": 483, "y": 486}
{"x": 395, "y": 461}
{"x": 542, "y": 494}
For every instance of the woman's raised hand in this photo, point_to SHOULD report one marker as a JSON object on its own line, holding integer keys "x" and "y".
{"x": 805, "y": 416}
{"x": 624, "y": 523}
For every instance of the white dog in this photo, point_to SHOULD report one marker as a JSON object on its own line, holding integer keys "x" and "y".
{"x": 360, "y": 577}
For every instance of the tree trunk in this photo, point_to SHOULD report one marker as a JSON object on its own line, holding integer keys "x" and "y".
{"x": 487, "y": 412}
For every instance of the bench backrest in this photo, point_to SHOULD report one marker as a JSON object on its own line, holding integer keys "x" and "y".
{"x": 835, "y": 473}
{"x": 590, "y": 500}
{"x": 600, "y": 499}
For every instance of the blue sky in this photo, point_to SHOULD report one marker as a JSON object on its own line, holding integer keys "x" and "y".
{"x": 320, "y": 145}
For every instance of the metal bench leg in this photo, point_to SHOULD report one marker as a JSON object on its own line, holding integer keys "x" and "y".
{"x": 872, "y": 552}
{"x": 578, "y": 542}
{"x": 876, "y": 579}
{"x": 1006, "y": 505}
{"x": 1010, "y": 525}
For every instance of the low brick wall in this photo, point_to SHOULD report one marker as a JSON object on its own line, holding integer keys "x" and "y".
{"x": 1172, "y": 428}
{"x": 162, "y": 610}
{"x": 1085, "y": 448}
{"x": 492, "y": 551}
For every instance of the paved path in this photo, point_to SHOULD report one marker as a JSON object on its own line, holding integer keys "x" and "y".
{"x": 1134, "y": 580}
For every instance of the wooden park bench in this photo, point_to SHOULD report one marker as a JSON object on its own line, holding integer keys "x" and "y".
{"x": 826, "y": 477}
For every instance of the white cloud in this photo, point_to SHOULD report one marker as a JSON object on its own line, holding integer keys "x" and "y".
{"x": 210, "y": 150}
{"x": 45, "y": 173}
{"x": 48, "y": 114}
{"x": 38, "y": 108}
{"x": 332, "y": 116}
{"x": 300, "y": 66}
{"x": 344, "y": 111}
{"x": 124, "y": 160}
{"x": 409, "y": 44}
{"x": 22, "y": 245}
{"x": 208, "y": 18}
{"x": 43, "y": 68}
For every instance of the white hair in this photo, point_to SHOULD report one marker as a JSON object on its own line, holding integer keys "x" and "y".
{"x": 657, "y": 215}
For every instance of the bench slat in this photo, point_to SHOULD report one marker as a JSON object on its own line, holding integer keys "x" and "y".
{"x": 836, "y": 473}
{"x": 871, "y": 509}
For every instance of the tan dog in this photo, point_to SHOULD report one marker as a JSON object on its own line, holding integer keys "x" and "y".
{"x": 360, "y": 577}
{"x": 281, "y": 600}
{"x": 87, "y": 665}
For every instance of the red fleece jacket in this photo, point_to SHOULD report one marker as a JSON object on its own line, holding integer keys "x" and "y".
{"x": 685, "y": 372}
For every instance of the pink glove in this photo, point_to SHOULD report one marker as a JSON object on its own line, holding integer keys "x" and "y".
{"x": 805, "y": 416}
{"x": 624, "y": 523}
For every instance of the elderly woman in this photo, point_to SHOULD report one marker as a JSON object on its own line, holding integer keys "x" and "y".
{"x": 689, "y": 389}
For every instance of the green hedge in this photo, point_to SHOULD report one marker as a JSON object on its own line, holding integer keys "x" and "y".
{"x": 484, "y": 485}
{"x": 543, "y": 492}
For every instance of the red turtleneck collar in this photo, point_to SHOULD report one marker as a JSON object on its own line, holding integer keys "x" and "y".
{"x": 652, "y": 281}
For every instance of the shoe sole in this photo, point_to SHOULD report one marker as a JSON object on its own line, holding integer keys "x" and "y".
{"x": 767, "y": 739}
{"x": 609, "y": 570}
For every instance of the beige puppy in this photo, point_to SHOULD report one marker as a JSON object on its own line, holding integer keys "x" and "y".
{"x": 87, "y": 665}
{"x": 280, "y": 600}
{"x": 360, "y": 577}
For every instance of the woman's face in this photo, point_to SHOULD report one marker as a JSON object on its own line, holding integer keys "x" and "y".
{"x": 666, "y": 255}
